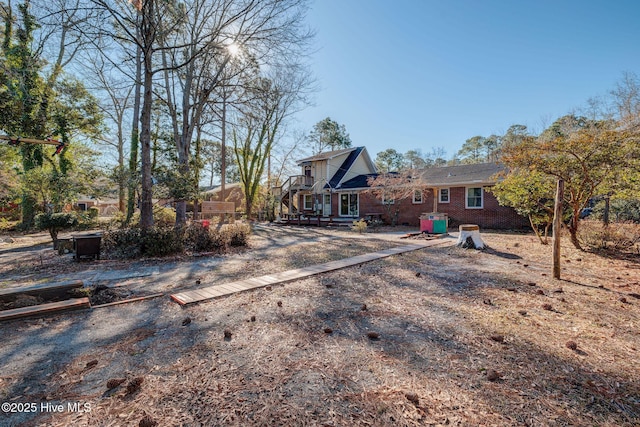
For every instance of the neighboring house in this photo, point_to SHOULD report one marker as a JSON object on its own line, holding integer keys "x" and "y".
{"x": 232, "y": 193}
{"x": 106, "y": 207}
{"x": 335, "y": 184}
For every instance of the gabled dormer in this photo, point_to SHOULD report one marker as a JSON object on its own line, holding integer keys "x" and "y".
{"x": 330, "y": 169}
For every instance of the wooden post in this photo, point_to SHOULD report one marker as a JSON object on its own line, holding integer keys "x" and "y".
{"x": 557, "y": 225}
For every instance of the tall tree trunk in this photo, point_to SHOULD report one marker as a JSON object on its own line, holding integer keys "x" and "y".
{"x": 198, "y": 169}
{"x": 184, "y": 170}
{"x": 223, "y": 147}
{"x": 573, "y": 229}
{"x": 135, "y": 138}
{"x": 148, "y": 35}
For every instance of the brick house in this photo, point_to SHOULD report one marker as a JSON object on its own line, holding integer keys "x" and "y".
{"x": 335, "y": 184}
{"x": 232, "y": 193}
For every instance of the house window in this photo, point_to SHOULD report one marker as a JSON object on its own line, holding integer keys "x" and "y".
{"x": 349, "y": 204}
{"x": 308, "y": 202}
{"x": 443, "y": 195}
{"x": 82, "y": 206}
{"x": 417, "y": 196}
{"x": 474, "y": 198}
{"x": 386, "y": 201}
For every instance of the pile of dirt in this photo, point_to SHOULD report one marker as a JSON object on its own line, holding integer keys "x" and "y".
{"x": 22, "y": 301}
{"x": 102, "y": 294}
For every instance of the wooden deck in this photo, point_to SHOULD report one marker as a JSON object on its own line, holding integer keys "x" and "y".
{"x": 216, "y": 291}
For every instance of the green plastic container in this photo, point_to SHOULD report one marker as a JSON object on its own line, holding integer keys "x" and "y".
{"x": 439, "y": 226}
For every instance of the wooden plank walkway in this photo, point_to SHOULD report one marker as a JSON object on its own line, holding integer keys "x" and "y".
{"x": 34, "y": 310}
{"x": 216, "y": 291}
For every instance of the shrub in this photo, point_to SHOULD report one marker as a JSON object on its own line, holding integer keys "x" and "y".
{"x": 360, "y": 226}
{"x": 162, "y": 217}
{"x": 198, "y": 238}
{"x": 617, "y": 237}
{"x": 122, "y": 243}
{"x": 135, "y": 242}
{"x": 235, "y": 234}
{"x": 56, "y": 222}
{"x": 619, "y": 210}
{"x": 161, "y": 241}
{"x": 93, "y": 213}
{"x": 5, "y": 225}
{"x": 89, "y": 218}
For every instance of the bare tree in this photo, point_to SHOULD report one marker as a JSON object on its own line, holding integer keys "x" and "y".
{"x": 116, "y": 103}
{"x": 393, "y": 187}
{"x": 209, "y": 34}
{"x": 272, "y": 101}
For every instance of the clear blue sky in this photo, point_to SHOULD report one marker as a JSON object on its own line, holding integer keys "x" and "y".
{"x": 423, "y": 73}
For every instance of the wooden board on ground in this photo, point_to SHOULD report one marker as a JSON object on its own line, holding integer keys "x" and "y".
{"x": 45, "y": 290}
{"x": 215, "y": 291}
{"x": 52, "y": 307}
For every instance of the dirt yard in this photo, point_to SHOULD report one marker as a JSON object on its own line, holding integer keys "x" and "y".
{"x": 439, "y": 336}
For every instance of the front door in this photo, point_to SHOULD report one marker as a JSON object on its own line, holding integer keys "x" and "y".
{"x": 326, "y": 207}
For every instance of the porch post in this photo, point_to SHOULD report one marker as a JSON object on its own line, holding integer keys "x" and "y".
{"x": 435, "y": 199}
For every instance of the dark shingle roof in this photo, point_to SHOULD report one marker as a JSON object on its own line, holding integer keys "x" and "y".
{"x": 359, "y": 181}
{"x": 328, "y": 155}
{"x": 446, "y": 176}
{"x": 479, "y": 173}
{"x": 344, "y": 167}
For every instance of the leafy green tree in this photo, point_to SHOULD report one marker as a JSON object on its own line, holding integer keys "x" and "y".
{"x": 24, "y": 94}
{"x": 584, "y": 153}
{"x": 389, "y": 160}
{"x": 414, "y": 159}
{"x": 531, "y": 194}
{"x": 329, "y": 134}
{"x": 55, "y": 223}
{"x": 473, "y": 150}
{"x": 36, "y": 106}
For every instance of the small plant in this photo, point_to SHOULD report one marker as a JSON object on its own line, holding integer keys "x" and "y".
{"x": 164, "y": 217}
{"x": 360, "y": 226}
{"x": 88, "y": 219}
{"x": 55, "y": 223}
{"x": 4, "y": 224}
